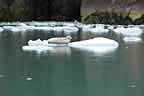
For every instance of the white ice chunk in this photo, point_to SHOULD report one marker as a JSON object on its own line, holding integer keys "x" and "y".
{"x": 69, "y": 24}
{"x": 1, "y": 29}
{"x": 7, "y": 27}
{"x": 42, "y": 28}
{"x": 38, "y": 43}
{"x": 70, "y": 29}
{"x": 129, "y": 32}
{"x": 19, "y": 29}
{"x": 44, "y": 43}
{"x": 87, "y": 28}
{"x": 16, "y": 28}
{"x": 99, "y": 30}
{"x": 111, "y": 27}
{"x": 96, "y": 28}
{"x": 132, "y": 39}
{"x": 65, "y": 29}
{"x": 99, "y": 44}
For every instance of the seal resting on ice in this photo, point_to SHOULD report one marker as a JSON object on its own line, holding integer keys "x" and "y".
{"x": 60, "y": 40}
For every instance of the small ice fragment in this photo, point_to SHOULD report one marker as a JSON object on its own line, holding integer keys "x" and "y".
{"x": 132, "y": 39}
{"x": 28, "y": 78}
{"x": 126, "y": 47}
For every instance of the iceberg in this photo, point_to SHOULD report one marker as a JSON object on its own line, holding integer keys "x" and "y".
{"x": 99, "y": 44}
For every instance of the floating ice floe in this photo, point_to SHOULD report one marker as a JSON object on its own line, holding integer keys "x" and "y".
{"x": 96, "y": 28}
{"x": 65, "y": 29}
{"x": 52, "y": 41}
{"x": 99, "y": 30}
{"x": 99, "y": 44}
{"x": 87, "y": 28}
{"x": 22, "y": 28}
{"x": 132, "y": 39}
{"x": 50, "y": 24}
{"x": 38, "y": 43}
{"x": 129, "y": 32}
{"x": 44, "y": 28}
{"x": 1, "y": 29}
{"x": 41, "y": 45}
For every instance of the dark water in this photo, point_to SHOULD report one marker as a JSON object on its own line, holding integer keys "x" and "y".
{"x": 65, "y": 71}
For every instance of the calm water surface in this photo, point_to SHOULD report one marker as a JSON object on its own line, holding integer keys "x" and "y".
{"x": 65, "y": 71}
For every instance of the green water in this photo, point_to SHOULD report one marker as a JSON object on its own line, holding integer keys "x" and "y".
{"x": 67, "y": 71}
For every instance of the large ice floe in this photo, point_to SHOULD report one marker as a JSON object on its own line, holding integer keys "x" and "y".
{"x": 98, "y": 44}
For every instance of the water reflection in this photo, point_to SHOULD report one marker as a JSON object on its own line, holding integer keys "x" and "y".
{"x": 132, "y": 58}
{"x": 56, "y": 50}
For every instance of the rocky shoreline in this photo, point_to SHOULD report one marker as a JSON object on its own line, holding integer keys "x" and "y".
{"x": 113, "y": 18}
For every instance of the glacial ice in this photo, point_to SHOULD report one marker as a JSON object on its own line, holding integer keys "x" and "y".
{"x": 1, "y": 29}
{"x": 129, "y": 32}
{"x": 44, "y": 43}
{"x": 96, "y": 28}
{"x": 69, "y": 27}
{"x": 65, "y": 29}
{"x": 21, "y": 27}
{"x": 99, "y": 44}
{"x": 38, "y": 43}
{"x": 132, "y": 39}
